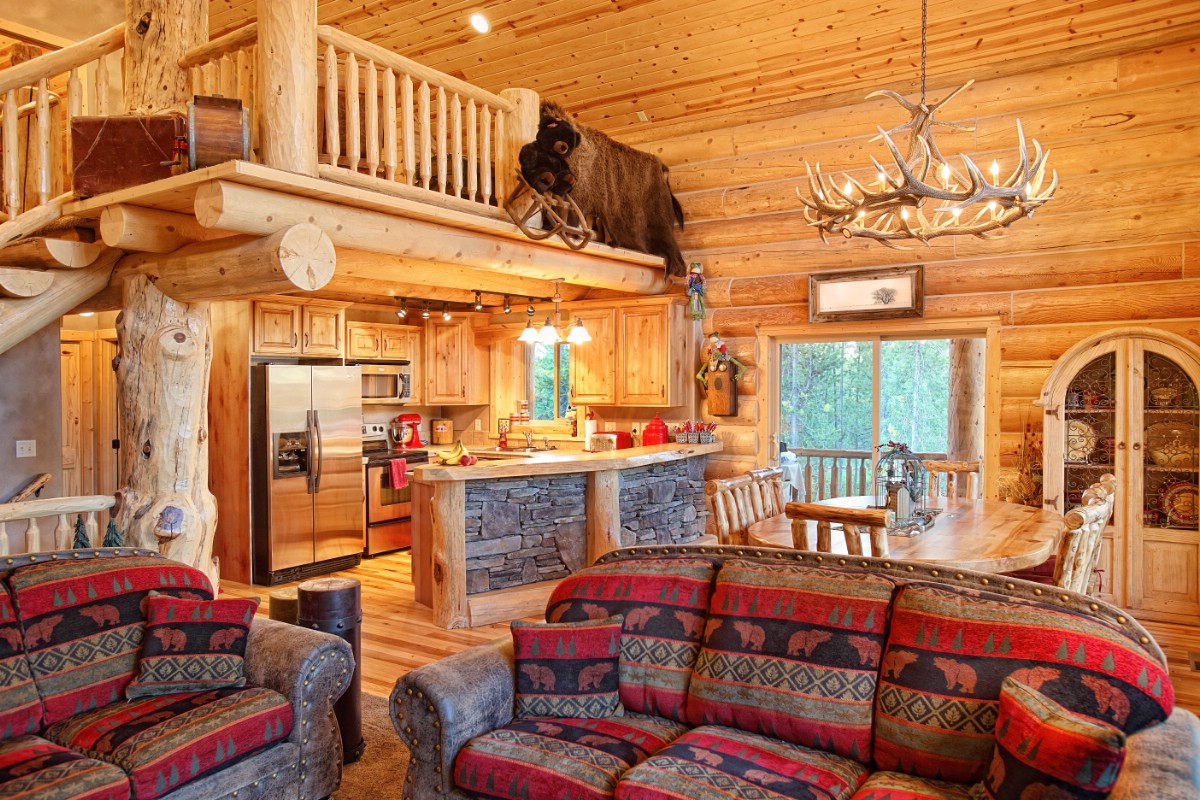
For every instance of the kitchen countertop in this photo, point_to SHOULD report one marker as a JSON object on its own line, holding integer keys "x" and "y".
{"x": 562, "y": 462}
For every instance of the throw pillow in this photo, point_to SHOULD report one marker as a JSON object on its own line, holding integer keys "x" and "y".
{"x": 192, "y": 645}
{"x": 567, "y": 669}
{"x": 1044, "y": 750}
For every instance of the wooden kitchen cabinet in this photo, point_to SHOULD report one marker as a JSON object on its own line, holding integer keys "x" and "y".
{"x": 367, "y": 341}
{"x": 593, "y": 364}
{"x": 362, "y": 341}
{"x": 455, "y": 367}
{"x": 1125, "y": 402}
{"x": 302, "y": 328}
{"x": 651, "y": 346}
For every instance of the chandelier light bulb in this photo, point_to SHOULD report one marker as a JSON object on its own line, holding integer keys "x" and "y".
{"x": 549, "y": 334}
{"x": 578, "y": 334}
{"x": 904, "y": 212}
{"x": 529, "y": 334}
{"x": 849, "y": 187}
{"x": 995, "y": 169}
{"x": 957, "y": 212}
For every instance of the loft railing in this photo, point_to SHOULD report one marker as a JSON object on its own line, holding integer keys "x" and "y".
{"x": 226, "y": 66}
{"x": 65, "y": 508}
{"x": 35, "y": 170}
{"x": 822, "y": 474}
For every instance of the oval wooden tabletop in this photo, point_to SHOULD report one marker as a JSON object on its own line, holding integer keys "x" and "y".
{"x": 985, "y": 535}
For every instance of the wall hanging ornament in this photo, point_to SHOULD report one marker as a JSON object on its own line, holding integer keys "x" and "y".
{"x": 714, "y": 375}
{"x": 695, "y": 290}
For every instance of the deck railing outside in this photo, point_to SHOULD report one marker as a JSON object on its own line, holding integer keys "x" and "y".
{"x": 822, "y": 474}
{"x": 65, "y": 508}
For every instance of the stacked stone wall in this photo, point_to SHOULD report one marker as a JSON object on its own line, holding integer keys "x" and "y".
{"x": 664, "y": 503}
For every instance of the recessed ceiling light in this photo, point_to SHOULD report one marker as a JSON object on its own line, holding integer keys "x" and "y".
{"x": 479, "y": 22}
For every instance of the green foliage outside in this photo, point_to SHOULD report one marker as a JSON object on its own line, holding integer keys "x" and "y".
{"x": 826, "y": 394}
{"x": 542, "y": 404}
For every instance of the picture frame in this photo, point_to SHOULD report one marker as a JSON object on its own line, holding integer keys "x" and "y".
{"x": 887, "y": 293}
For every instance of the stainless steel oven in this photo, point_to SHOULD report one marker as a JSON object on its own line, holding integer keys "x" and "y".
{"x": 389, "y": 510}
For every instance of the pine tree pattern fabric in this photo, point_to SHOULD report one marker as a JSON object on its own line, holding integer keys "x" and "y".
{"x": 717, "y": 763}
{"x": 84, "y": 624}
{"x": 162, "y": 742}
{"x": 32, "y": 768}
{"x": 949, "y": 650}
{"x": 1043, "y": 750}
{"x": 550, "y": 759}
{"x": 664, "y": 603}
{"x": 192, "y": 645}
{"x": 898, "y": 786}
{"x": 792, "y": 652}
{"x": 567, "y": 669}
{"x": 20, "y": 705}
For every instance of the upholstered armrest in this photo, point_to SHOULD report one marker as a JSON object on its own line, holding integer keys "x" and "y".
{"x": 439, "y": 707}
{"x": 312, "y": 670}
{"x": 1162, "y": 762}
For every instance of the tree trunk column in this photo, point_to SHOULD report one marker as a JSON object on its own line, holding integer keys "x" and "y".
{"x": 287, "y": 84}
{"x": 967, "y": 373}
{"x": 157, "y": 34}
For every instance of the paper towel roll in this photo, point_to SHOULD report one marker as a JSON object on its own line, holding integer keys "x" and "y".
{"x": 590, "y": 428}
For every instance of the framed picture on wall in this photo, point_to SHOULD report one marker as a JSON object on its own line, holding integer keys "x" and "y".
{"x": 887, "y": 293}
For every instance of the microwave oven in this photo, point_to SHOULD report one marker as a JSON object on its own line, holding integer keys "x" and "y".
{"x": 386, "y": 384}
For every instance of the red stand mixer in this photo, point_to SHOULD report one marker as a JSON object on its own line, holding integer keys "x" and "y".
{"x": 406, "y": 431}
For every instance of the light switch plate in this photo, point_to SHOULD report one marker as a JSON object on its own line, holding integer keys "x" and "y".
{"x": 26, "y": 448}
{"x": 478, "y": 424}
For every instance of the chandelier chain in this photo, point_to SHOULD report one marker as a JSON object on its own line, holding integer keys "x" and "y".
{"x": 924, "y": 48}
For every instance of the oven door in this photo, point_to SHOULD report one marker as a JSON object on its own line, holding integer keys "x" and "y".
{"x": 385, "y": 504}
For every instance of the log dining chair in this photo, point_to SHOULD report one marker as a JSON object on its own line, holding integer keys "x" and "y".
{"x": 737, "y": 503}
{"x": 852, "y": 520}
{"x": 952, "y": 479}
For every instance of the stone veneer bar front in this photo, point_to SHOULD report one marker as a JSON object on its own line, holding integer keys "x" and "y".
{"x": 490, "y": 540}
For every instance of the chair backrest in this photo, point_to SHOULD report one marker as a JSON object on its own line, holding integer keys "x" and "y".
{"x": 1079, "y": 548}
{"x": 852, "y": 520}
{"x": 948, "y": 479}
{"x": 737, "y": 503}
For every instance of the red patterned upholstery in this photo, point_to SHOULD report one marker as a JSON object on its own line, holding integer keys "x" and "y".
{"x": 898, "y": 786}
{"x": 554, "y": 758}
{"x": 20, "y": 706}
{"x": 84, "y": 625}
{"x": 714, "y": 761}
{"x": 949, "y": 650}
{"x": 165, "y": 741}
{"x": 664, "y": 602}
{"x": 792, "y": 652}
{"x": 32, "y": 768}
{"x": 1044, "y": 750}
{"x": 567, "y": 669}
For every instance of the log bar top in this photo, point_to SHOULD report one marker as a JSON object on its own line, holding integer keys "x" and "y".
{"x": 562, "y": 462}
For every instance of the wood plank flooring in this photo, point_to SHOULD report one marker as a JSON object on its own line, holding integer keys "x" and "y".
{"x": 398, "y": 634}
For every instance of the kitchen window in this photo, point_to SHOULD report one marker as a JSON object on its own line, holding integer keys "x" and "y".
{"x": 547, "y": 381}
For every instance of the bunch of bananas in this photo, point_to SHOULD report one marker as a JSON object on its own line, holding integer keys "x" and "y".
{"x": 455, "y": 456}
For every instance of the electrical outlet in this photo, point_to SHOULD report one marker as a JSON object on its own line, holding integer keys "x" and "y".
{"x": 26, "y": 448}
{"x": 478, "y": 424}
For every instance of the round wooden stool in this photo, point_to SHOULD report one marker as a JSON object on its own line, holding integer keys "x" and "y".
{"x": 284, "y": 605}
{"x": 334, "y": 605}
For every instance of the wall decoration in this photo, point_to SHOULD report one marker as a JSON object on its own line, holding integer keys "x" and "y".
{"x": 866, "y": 294}
{"x": 719, "y": 386}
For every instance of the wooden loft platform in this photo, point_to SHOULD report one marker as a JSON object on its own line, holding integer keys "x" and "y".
{"x": 387, "y": 246}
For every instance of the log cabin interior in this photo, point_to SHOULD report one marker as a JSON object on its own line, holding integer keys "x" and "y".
{"x": 237, "y": 347}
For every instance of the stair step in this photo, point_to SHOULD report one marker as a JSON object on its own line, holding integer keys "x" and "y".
{"x": 46, "y": 253}
{"x": 24, "y": 282}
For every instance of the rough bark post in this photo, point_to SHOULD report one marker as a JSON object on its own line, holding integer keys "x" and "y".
{"x": 165, "y": 345}
{"x": 520, "y": 128}
{"x": 967, "y": 365}
{"x": 287, "y": 84}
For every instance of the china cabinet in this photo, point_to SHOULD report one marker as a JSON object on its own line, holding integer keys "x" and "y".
{"x": 1126, "y": 402}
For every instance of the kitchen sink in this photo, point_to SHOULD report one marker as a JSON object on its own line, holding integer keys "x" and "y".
{"x": 495, "y": 453}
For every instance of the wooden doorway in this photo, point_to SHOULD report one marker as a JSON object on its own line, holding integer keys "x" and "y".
{"x": 89, "y": 411}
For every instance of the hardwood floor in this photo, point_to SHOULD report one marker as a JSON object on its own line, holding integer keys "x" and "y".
{"x": 398, "y": 633}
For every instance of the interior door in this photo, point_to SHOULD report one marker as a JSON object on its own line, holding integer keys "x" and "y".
{"x": 71, "y": 377}
{"x": 337, "y": 421}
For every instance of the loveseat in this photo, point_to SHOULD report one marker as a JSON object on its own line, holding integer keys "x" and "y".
{"x": 72, "y": 629}
{"x": 762, "y": 673}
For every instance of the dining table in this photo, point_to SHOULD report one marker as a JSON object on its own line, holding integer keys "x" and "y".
{"x": 984, "y": 535}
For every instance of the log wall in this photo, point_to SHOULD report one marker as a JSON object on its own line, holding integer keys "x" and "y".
{"x": 1119, "y": 244}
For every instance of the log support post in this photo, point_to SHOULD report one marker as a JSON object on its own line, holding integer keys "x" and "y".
{"x": 520, "y": 127}
{"x": 604, "y": 513}
{"x": 967, "y": 377}
{"x": 449, "y": 556}
{"x": 287, "y": 84}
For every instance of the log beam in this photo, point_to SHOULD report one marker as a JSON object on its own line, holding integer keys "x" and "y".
{"x": 298, "y": 257}
{"x": 360, "y": 265}
{"x": 149, "y": 230}
{"x": 41, "y": 253}
{"x": 24, "y": 282}
{"x": 20, "y": 318}
{"x": 247, "y": 209}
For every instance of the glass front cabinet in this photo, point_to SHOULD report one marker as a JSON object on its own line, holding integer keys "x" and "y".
{"x": 1125, "y": 402}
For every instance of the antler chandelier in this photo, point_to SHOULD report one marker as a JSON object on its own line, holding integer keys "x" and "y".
{"x": 893, "y": 207}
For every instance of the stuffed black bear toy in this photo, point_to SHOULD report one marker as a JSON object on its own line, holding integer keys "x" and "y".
{"x": 545, "y": 170}
{"x": 555, "y": 135}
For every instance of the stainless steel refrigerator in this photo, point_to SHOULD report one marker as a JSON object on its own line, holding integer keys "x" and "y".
{"x": 306, "y": 426}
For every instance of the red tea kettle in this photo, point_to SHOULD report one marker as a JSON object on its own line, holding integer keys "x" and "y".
{"x": 655, "y": 432}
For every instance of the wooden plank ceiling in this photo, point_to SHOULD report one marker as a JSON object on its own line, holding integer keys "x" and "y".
{"x": 608, "y": 60}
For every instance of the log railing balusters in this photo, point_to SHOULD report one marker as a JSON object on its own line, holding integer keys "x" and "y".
{"x": 63, "y": 509}
{"x": 353, "y": 123}
{"x": 426, "y": 133}
{"x": 43, "y": 143}
{"x": 333, "y": 140}
{"x": 440, "y": 149}
{"x": 12, "y": 178}
{"x": 407, "y": 120}
{"x": 472, "y": 152}
{"x": 372, "y": 118}
{"x": 485, "y": 166}
{"x": 503, "y": 170}
{"x": 389, "y": 124}
{"x": 456, "y": 143}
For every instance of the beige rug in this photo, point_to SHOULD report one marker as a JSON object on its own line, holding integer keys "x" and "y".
{"x": 379, "y": 774}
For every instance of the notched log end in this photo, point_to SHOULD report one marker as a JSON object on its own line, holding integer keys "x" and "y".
{"x": 170, "y": 524}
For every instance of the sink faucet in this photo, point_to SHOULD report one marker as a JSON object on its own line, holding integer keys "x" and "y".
{"x": 546, "y": 443}
{"x": 529, "y": 438}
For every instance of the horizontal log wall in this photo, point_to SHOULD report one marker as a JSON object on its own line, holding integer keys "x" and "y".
{"x": 1118, "y": 245}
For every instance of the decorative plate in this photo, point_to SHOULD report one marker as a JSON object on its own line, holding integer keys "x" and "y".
{"x": 1179, "y": 502}
{"x": 1171, "y": 444}
{"x": 1081, "y": 440}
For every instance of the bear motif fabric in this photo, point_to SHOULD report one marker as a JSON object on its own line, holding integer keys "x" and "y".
{"x": 567, "y": 669}
{"x": 20, "y": 706}
{"x": 1043, "y": 750}
{"x": 192, "y": 645}
{"x": 32, "y": 768}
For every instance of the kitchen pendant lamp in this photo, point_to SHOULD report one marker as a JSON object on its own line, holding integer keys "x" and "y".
{"x": 530, "y": 334}
{"x": 578, "y": 334}
{"x": 893, "y": 206}
{"x": 549, "y": 333}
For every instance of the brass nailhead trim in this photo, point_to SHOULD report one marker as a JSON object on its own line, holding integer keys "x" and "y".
{"x": 933, "y": 572}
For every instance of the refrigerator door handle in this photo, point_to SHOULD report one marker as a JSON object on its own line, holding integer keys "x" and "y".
{"x": 308, "y": 431}
{"x": 316, "y": 417}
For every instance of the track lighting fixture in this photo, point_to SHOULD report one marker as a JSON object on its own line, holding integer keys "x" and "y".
{"x": 507, "y": 305}
{"x": 403, "y": 312}
{"x": 478, "y": 301}
{"x": 425, "y": 311}
{"x": 446, "y": 311}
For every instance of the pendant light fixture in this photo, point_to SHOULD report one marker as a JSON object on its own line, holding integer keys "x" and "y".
{"x": 578, "y": 334}
{"x": 529, "y": 334}
{"x": 549, "y": 334}
{"x": 893, "y": 207}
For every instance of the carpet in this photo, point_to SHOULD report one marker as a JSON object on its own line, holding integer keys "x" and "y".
{"x": 379, "y": 774}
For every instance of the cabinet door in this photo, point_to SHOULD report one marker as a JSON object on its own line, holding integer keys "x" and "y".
{"x": 644, "y": 340}
{"x": 445, "y": 362}
{"x": 322, "y": 326}
{"x": 394, "y": 344}
{"x": 276, "y": 328}
{"x": 362, "y": 341}
{"x": 593, "y": 367}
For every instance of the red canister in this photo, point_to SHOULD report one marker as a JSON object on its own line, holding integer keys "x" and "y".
{"x": 655, "y": 432}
